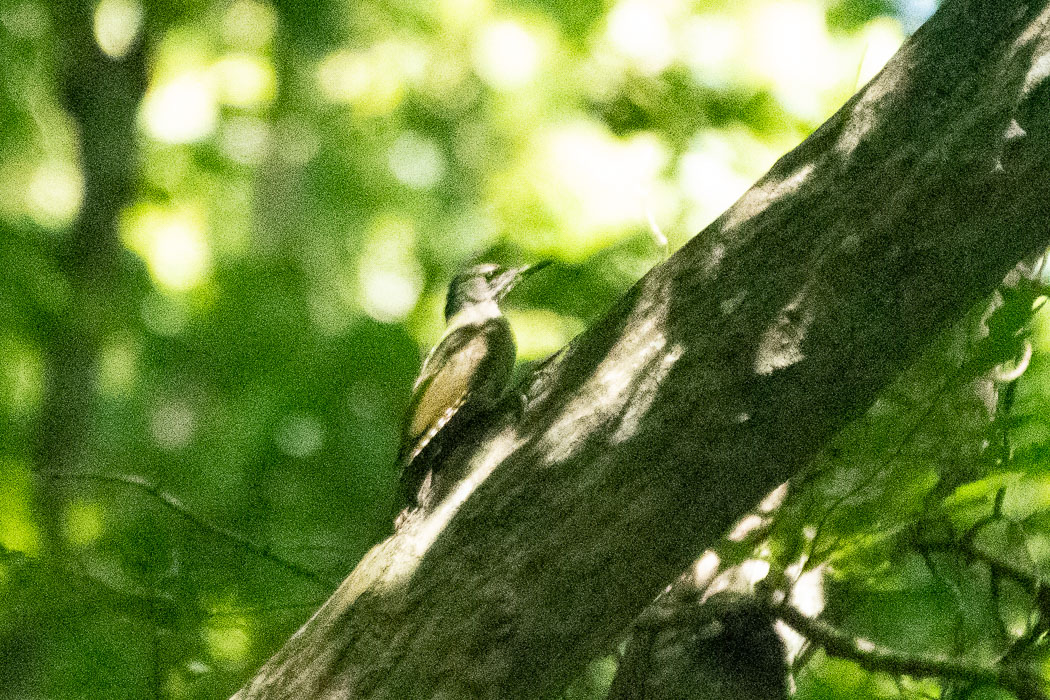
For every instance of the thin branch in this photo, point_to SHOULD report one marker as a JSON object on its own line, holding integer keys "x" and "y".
{"x": 181, "y": 509}
{"x": 1023, "y": 683}
{"x": 879, "y": 470}
{"x": 262, "y": 609}
{"x": 1028, "y": 581}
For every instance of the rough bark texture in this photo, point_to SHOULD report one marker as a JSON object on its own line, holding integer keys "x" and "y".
{"x": 694, "y": 642}
{"x": 720, "y": 374}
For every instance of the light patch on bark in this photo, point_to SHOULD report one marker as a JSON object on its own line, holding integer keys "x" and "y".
{"x": 742, "y": 577}
{"x": 705, "y": 567}
{"x": 730, "y": 305}
{"x": 781, "y": 344}
{"x": 614, "y": 389}
{"x": 484, "y": 462}
{"x": 745, "y": 526}
{"x": 643, "y": 397}
{"x": 773, "y": 500}
{"x": 864, "y": 116}
{"x": 756, "y": 200}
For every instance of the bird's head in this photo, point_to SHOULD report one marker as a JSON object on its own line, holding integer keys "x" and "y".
{"x": 483, "y": 283}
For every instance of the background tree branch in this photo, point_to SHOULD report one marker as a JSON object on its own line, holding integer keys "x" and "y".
{"x": 102, "y": 96}
{"x": 716, "y": 377}
{"x": 1021, "y": 681}
{"x": 174, "y": 504}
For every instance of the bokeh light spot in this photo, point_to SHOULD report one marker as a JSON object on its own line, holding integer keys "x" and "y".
{"x": 541, "y": 333}
{"x": 461, "y": 14}
{"x": 710, "y": 47}
{"x": 882, "y": 37}
{"x": 374, "y": 80}
{"x": 640, "y": 31}
{"x": 708, "y": 178}
{"x": 117, "y": 367}
{"x": 164, "y": 314}
{"x": 389, "y": 278}
{"x": 84, "y": 522}
{"x": 172, "y": 243}
{"x": 299, "y": 435}
{"x": 249, "y": 24}
{"x": 416, "y": 160}
{"x": 18, "y": 530}
{"x": 388, "y": 294}
{"x": 26, "y": 20}
{"x": 598, "y": 184}
{"x": 21, "y": 377}
{"x": 228, "y": 643}
{"x": 117, "y": 24}
{"x": 182, "y": 110}
{"x": 791, "y": 51}
{"x": 506, "y": 55}
{"x": 343, "y": 76}
{"x": 172, "y": 424}
{"x": 245, "y": 139}
{"x": 178, "y": 255}
{"x": 55, "y": 193}
{"x": 244, "y": 80}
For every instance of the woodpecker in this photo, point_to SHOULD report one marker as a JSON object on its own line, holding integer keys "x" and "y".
{"x": 464, "y": 375}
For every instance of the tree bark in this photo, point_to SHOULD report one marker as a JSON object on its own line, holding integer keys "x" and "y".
{"x": 717, "y": 377}
{"x": 711, "y": 634}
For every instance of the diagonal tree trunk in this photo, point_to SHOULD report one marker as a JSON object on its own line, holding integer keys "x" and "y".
{"x": 717, "y": 377}
{"x": 713, "y": 634}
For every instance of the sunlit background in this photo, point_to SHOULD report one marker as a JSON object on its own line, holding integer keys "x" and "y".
{"x": 303, "y": 180}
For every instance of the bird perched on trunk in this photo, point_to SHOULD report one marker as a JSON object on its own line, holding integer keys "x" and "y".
{"x": 463, "y": 375}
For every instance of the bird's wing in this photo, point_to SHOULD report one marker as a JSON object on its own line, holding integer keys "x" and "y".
{"x": 466, "y": 361}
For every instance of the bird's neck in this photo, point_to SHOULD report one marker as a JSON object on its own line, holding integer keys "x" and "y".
{"x": 473, "y": 314}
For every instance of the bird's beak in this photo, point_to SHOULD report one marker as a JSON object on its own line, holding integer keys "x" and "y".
{"x": 529, "y": 269}
{"x": 515, "y": 274}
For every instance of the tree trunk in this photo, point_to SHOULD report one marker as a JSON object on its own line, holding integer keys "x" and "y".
{"x": 718, "y": 376}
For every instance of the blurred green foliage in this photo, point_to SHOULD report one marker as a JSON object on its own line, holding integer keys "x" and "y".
{"x": 300, "y": 181}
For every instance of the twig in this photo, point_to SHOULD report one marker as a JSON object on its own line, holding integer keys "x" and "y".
{"x": 1020, "y": 681}
{"x": 178, "y": 507}
{"x": 312, "y": 604}
{"x": 1028, "y": 581}
{"x": 881, "y": 469}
